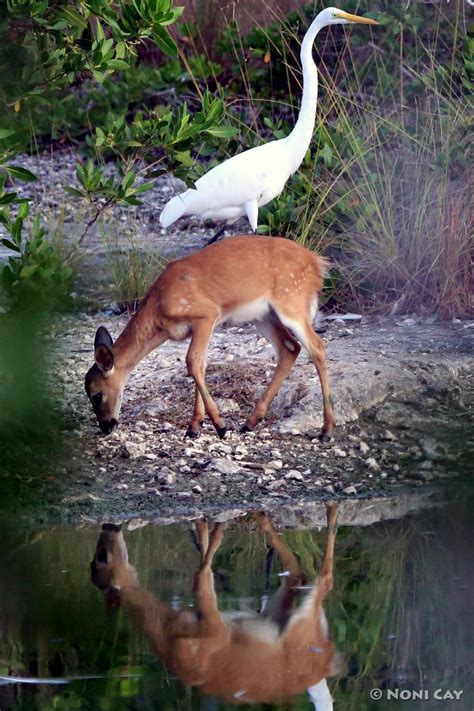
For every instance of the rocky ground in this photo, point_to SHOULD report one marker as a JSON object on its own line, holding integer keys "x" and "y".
{"x": 403, "y": 390}
{"x": 403, "y": 393}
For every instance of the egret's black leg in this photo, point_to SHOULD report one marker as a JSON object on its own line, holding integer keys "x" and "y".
{"x": 218, "y": 234}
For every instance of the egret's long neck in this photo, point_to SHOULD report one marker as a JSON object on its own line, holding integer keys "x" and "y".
{"x": 299, "y": 139}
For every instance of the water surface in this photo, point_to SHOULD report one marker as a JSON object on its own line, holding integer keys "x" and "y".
{"x": 400, "y": 613}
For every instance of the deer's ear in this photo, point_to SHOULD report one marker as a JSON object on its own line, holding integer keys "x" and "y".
{"x": 104, "y": 359}
{"x": 103, "y": 338}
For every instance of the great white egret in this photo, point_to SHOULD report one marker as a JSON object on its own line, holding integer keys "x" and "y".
{"x": 245, "y": 182}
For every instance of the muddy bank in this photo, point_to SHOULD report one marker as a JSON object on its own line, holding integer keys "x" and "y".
{"x": 403, "y": 394}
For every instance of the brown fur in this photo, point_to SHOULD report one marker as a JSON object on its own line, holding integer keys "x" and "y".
{"x": 197, "y": 292}
{"x": 237, "y": 657}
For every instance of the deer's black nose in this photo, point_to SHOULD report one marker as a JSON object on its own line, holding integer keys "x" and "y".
{"x": 108, "y": 426}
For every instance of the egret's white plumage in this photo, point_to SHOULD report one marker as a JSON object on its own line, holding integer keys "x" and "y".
{"x": 245, "y": 182}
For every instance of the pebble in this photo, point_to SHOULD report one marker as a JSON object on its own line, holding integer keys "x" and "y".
{"x": 224, "y": 466}
{"x": 372, "y": 464}
{"x": 275, "y": 484}
{"x": 166, "y": 476}
{"x": 197, "y": 489}
{"x": 349, "y": 490}
{"x": 329, "y": 488}
{"x": 133, "y": 450}
{"x": 364, "y": 447}
{"x": 276, "y": 464}
{"x": 339, "y": 452}
{"x": 294, "y": 474}
{"x": 389, "y": 436}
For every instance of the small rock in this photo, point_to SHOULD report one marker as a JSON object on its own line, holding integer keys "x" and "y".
{"x": 276, "y": 464}
{"x": 364, "y": 447}
{"x": 275, "y": 484}
{"x": 226, "y": 405}
{"x": 329, "y": 489}
{"x": 133, "y": 450}
{"x": 224, "y": 466}
{"x": 372, "y": 464}
{"x": 166, "y": 476}
{"x": 425, "y": 475}
{"x": 220, "y": 447}
{"x": 339, "y": 452}
{"x": 389, "y": 436}
{"x": 427, "y": 464}
{"x": 349, "y": 490}
{"x": 431, "y": 449}
{"x": 197, "y": 489}
{"x": 294, "y": 474}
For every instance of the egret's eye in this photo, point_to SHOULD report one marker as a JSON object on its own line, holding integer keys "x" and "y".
{"x": 96, "y": 399}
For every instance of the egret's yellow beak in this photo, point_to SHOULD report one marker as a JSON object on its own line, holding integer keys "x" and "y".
{"x": 355, "y": 18}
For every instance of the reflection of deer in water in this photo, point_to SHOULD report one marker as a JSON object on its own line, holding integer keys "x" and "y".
{"x": 241, "y": 657}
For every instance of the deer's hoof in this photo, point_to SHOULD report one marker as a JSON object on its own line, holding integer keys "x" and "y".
{"x": 325, "y": 435}
{"x": 221, "y": 431}
{"x": 191, "y": 432}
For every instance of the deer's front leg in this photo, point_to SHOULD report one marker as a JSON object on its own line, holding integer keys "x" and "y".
{"x": 210, "y": 617}
{"x": 195, "y": 361}
{"x": 194, "y": 427}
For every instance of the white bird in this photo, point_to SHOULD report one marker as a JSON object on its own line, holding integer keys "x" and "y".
{"x": 245, "y": 182}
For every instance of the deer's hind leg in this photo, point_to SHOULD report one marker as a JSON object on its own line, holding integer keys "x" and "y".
{"x": 279, "y": 605}
{"x": 317, "y": 352}
{"x": 326, "y": 574}
{"x": 287, "y": 349}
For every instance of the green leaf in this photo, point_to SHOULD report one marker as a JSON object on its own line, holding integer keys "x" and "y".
{"x": 23, "y": 210}
{"x": 72, "y": 191}
{"x": 222, "y": 131}
{"x": 117, "y": 64}
{"x": 8, "y": 198}
{"x": 28, "y": 271}
{"x": 73, "y": 17}
{"x": 175, "y": 13}
{"x": 143, "y": 188}
{"x": 326, "y": 154}
{"x": 6, "y": 133}
{"x": 128, "y": 180}
{"x": 21, "y": 173}
{"x": 11, "y": 245}
{"x": 165, "y": 42}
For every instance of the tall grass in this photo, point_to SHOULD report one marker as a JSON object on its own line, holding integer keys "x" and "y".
{"x": 386, "y": 189}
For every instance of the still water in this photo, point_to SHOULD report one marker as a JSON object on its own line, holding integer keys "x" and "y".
{"x": 122, "y": 619}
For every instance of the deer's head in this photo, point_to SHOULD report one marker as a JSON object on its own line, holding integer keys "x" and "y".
{"x": 104, "y": 384}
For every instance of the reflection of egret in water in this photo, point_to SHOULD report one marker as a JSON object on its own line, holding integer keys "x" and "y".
{"x": 237, "y": 656}
{"x": 321, "y": 696}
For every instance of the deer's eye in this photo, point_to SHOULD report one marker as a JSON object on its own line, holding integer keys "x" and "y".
{"x": 96, "y": 399}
